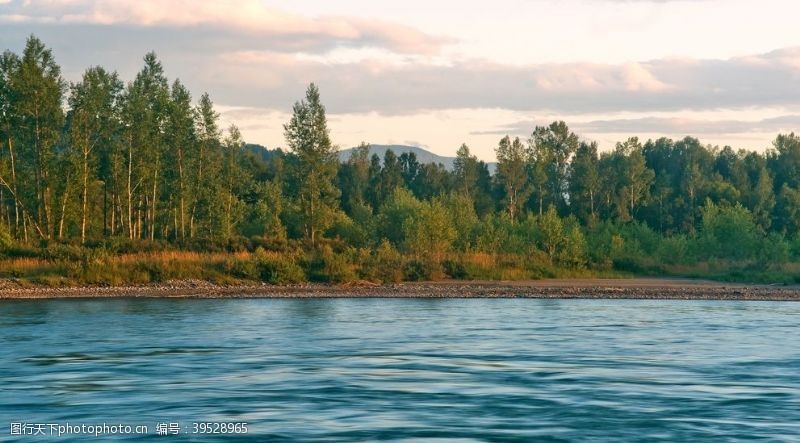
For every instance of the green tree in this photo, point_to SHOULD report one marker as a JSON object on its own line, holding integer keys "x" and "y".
{"x": 585, "y": 182}
{"x": 551, "y": 232}
{"x": 634, "y": 177}
{"x": 574, "y": 248}
{"x": 206, "y": 167}
{"x": 354, "y": 178}
{"x": 553, "y": 146}
{"x": 233, "y": 181}
{"x": 398, "y": 211}
{"x": 308, "y": 137}
{"x": 728, "y": 231}
{"x": 465, "y": 169}
{"x": 38, "y": 93}
{"x": 92, "y": 124}
{"x": 181, "y": 141}
{"x": 430, "y": 232}
{"x": 144, "y": 117}
{"x": 268, "y": 208}
{"x": 9, "y": 64}
{"x": 463, "y": 219}
{"x": 512, "y": 175}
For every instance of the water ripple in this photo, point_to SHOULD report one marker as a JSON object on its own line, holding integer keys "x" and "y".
{"x": 408, "y": 370}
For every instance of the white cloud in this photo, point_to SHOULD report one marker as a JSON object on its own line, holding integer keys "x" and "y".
{"x": 250, "y": 17}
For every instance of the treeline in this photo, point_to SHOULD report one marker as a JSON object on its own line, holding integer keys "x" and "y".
{"x": 122, "y": 167}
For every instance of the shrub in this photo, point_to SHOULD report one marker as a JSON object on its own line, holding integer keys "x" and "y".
{"x": 455, "y": 269}
{"x": 242, "y": 268}
{"x": 278, "y": 269}
{"x": 416, "y": 270}
{"x": 573, "y": 250}
{"x": 728, "y": 232}
{"x": 153, "y": 271}
{"x": 384, "y": 264}
{"x": 329, "y": 266}
{"x": 674, "y": 250}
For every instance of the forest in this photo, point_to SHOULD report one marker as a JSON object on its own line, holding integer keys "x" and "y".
{"x": 107, "y": 182}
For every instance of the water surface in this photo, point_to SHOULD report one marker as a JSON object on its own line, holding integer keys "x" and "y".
{"x": 406, "y": 370}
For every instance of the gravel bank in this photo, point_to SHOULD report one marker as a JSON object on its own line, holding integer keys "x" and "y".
{"x": 666, "y": 289}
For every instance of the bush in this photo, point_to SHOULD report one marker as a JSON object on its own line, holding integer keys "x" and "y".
{"x": 242, "y": 268}
{"x": 728, "y": 232}
{"x": 328, "y": 266}
{"x": 455, "y": 269}
{"x": 674, "y": 250}
{"x": 418, "y": 270}
{"x": 153, "y": 271}
{"x": 278, "y": 269}
{"x": 384, "y": 264}
{"x": 774, "y": 250}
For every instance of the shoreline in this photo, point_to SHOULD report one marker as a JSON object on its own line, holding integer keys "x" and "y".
{"x": 635, "y": 288}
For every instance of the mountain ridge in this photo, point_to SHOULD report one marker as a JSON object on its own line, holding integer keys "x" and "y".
{"x": 422, "y": 154}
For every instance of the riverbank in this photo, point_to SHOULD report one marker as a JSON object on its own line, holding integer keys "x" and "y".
{"x": 636, "y": 288}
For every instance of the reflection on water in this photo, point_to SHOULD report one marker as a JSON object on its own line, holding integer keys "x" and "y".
{"x": 405, "y": 370}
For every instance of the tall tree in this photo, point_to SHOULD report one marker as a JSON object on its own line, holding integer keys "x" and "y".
{"x": 233, "y": 181}
{"x": 354, "y": 178}
{"x": 93, "y": 123}
{"x": 181, "y": 139}
{"x": 205, "y": 167}
{"x": 585, "y": 182}
{"x": 9, "y": 64}
{"x": 465, "y": 169}
{"x": 308, "y": 137}
{"x": 634, "y": 177}
{"x": 512, "y": 175}
{"x": 144, "y": 117}
{"x": 557, "y": 144}
{"x": 39, "y": 90}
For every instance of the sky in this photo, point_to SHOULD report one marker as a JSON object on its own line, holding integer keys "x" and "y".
{"x": 436, "y": 74}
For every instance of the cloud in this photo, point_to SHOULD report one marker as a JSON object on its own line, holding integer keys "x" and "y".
{"x": 684, "y": 126}
{"x": 671, "y": 84}
{"x": 271, "y": 67}
{"x": 248, "y": 17}
{"x": 671, "y": 126}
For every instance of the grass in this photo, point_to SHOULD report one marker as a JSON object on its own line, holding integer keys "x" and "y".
{"x": 83, "y": 266}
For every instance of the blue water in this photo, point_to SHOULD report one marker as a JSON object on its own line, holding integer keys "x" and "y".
{"x": 405, "y": 370}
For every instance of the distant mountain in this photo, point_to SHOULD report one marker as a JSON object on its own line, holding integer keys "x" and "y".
{"x": 423, "y": 156}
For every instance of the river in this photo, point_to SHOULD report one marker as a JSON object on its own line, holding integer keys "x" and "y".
{"x": 349, "y": 370}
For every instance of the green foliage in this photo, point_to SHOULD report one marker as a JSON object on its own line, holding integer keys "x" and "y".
{"x": 6, "y": 241}
{"x": 133, "y": 168}
{"x": 728, "y": 232}
{"x": 419, "y": 270}
{"x": 573, "y": 253}
{"x": 328, "y": 266}
{"x": 430, "y": 233}
{"x": 463, "y": 219}
{"x": 512, "y": 175}
{"x": 398, "y": 211}
{"x": 278, "y": 269}
{"x": 550, "y": 233}
{"x": 384, "y": 264}
{"x": 308, "y": 137}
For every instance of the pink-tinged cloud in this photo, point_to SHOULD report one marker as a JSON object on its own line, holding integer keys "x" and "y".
{"x": 763, "y": 80}
{"x": 245, "y": 16}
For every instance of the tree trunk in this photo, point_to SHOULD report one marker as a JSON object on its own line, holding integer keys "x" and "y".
{"x": 130, "y": 189}
{"x": 85, "y": 203}
{"x": 153, "y": 210}
{"x": 63, "y": 215}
